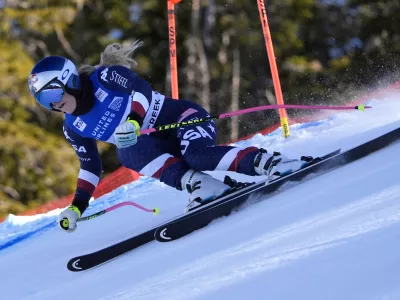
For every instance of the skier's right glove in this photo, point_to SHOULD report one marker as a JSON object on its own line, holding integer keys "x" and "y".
{"x": 68, "y": 218}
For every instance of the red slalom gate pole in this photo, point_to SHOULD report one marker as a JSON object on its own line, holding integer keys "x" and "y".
{"x": 274, "y": 68}
{"x": 172, "y": 48}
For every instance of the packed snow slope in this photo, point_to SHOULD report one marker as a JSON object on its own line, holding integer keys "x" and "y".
{"x": 336, "y": 236}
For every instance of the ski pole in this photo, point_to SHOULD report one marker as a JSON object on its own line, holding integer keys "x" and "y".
{"x": 250, "y": 110}
{"x": 155, "y": 210}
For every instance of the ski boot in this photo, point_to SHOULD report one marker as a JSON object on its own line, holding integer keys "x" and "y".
{"x": 277, "y": 165}
{"x": 202, "y": 187}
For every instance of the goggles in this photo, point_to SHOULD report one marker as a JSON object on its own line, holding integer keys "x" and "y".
{"x": 50, "y": 93}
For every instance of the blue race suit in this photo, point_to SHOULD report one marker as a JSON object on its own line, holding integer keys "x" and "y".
{"x": 165, "y": 155}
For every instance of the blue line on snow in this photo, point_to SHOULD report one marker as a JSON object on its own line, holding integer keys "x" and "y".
{"x": 26, "y": 235}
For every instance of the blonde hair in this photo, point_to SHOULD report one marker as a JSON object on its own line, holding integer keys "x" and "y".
{"x": 114, "y": 54}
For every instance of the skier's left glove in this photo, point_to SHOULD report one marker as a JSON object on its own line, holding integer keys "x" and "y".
{"x": 126, "y": 134}
{"x": 68, "y": 218}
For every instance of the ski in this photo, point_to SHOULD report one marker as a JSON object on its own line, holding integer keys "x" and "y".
{"x": 94, "y": 259}
{"x": 201, "y": 217}
{"x": 88, "y": 261}
{"x": 204, "y": 215}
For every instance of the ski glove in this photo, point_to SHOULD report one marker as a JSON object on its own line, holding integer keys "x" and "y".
{"x": 68, "y": 218}
{"x": 126, "y": 134}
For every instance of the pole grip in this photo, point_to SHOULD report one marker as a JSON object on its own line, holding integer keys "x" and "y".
{"x": 64, "y": 224}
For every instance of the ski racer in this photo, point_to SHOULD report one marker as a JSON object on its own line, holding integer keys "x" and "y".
{"x": 111, "y": 103}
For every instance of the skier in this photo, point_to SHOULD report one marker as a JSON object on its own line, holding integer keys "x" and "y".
{"x": 111, "y": 103}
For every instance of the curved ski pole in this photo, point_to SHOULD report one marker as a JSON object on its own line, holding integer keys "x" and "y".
{"x": 250, "y": 110}
{"x": 155, "y": 210}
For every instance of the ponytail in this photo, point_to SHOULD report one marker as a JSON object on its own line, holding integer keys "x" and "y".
{"x": 114, "y": 54}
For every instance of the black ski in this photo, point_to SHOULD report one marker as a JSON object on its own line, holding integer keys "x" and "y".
{"x": 203, "y": 215}
{"x": 94, "y": 259}
{"x": 87, "y": 261}
{"x": 224, "y": 206}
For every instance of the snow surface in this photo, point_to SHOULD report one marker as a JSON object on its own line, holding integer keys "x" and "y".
{"x": 335, "y": 236}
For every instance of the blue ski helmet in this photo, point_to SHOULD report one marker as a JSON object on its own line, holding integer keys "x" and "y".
{"x": 51, "y": 77}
